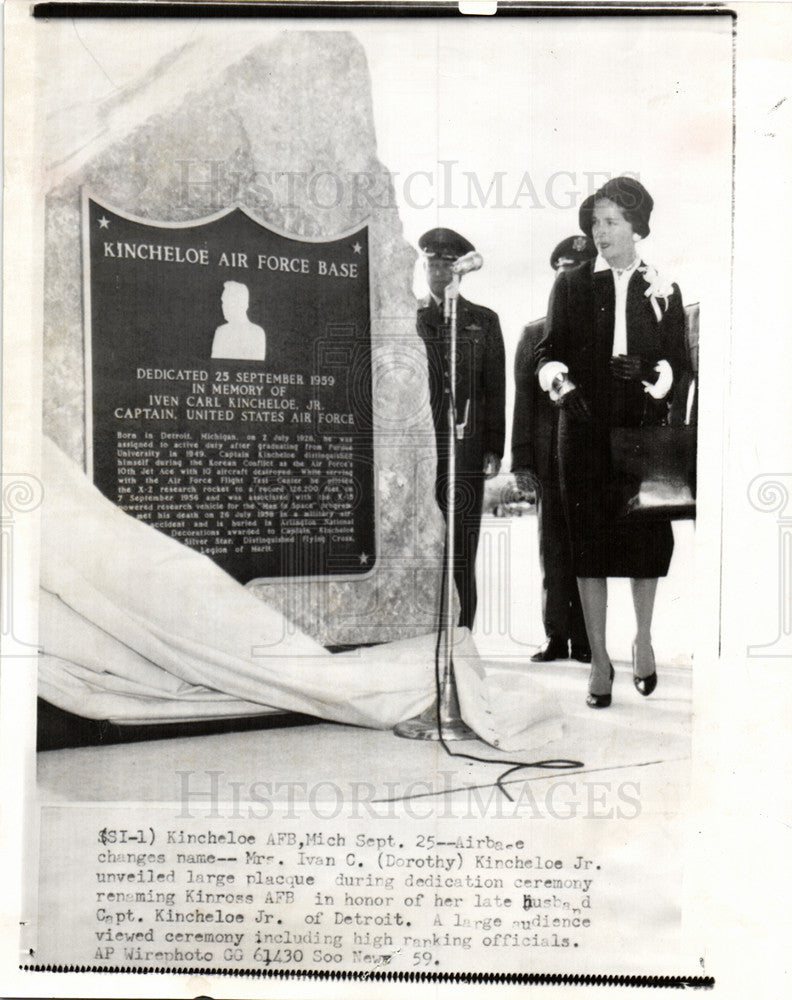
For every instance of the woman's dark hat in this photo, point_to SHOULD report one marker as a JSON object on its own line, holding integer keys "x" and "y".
{"x": 577, "y": 248}
{"x": 631, "y": 197}
{"x": 444, "y": 244}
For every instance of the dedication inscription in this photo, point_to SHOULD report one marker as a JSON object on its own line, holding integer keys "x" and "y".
{"x": 229, "y": 389}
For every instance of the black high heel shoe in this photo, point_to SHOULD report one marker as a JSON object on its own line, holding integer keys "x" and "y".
{"x": 601, "y": 700}
{"x": 644, "y": 685}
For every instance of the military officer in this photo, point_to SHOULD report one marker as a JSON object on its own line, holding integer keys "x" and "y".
{"x": 480, "y": 402}
{"x": 534, "y": 464}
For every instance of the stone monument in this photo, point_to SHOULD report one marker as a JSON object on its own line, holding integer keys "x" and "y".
{"x": 284, "y": 130}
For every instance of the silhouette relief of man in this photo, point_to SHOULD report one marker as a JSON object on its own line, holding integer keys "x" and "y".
{"x": 238, "y": 338}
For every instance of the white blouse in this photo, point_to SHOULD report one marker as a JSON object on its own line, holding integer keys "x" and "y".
{"x": 621, "y": 279}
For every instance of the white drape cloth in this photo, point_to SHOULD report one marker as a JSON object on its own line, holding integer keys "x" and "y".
{"x": 136, "y": 627}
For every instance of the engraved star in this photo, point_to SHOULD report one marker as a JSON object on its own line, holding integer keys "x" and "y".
{"x": 364, "y": 559}
{"x": 104, "y": 223}
{"x": 357, "y": 248}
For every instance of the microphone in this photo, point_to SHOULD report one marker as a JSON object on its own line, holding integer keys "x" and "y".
{"x": 469, "y": 262}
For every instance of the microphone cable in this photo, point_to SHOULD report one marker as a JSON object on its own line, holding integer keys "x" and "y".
{"x": 513, "y": 766}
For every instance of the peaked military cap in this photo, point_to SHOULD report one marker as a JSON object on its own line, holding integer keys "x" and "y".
{"x": 576, "y": 248}
{"x": 444, "y": 244}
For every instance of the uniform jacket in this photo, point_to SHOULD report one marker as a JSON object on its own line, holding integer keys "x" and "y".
{"x": 579, "y": 332}
{"x": 481, "y": 377}
{"x": 534, "y": 415}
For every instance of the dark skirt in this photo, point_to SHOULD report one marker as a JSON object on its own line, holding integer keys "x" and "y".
{"x": 602, "y": 543}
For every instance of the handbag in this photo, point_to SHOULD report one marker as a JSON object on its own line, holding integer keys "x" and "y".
{"x": 655, "y": 468}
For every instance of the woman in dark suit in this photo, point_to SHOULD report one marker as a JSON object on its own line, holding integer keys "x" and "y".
{"x": 612, "y": 350}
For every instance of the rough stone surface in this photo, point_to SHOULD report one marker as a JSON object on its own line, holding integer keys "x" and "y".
{"x": 297, "y": 107}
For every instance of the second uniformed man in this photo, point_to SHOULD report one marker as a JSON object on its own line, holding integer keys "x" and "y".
{"x": 535, "y": 464}
{"x": 480, "y": 402}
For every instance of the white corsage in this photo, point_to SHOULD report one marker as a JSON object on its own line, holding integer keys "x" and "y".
{"x": 659, "y": 289}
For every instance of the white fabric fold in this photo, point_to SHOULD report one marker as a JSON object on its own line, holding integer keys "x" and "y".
{"x": 136, "y": 627}
{"x": 503, "y": 708}
{"x": 173, "y": 608}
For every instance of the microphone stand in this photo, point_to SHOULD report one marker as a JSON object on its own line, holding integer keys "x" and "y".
{"x": 443, "y": 720}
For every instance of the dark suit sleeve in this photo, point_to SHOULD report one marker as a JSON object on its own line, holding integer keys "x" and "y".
{"x": 495, "y": 390}
{"x": 674, "y": 336}
{"x": 525, "y": 389}
{"x": 554, "y": 344}
{"x": 677, "y": 355}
